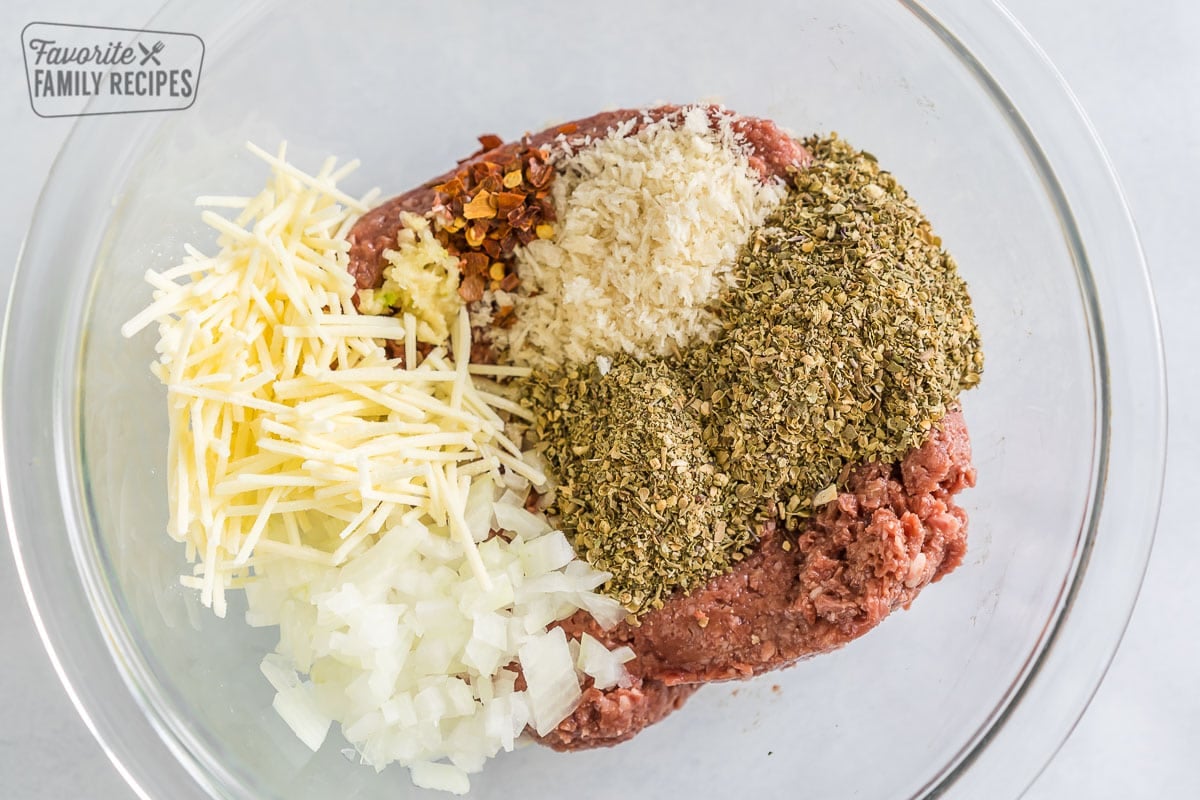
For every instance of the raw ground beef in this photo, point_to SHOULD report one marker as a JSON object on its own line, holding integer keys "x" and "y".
{"x": 893, "y": 531}
{"x": 605, "y": 718}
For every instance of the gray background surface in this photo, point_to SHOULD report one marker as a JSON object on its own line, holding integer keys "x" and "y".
{"x": 1135, "y": 67}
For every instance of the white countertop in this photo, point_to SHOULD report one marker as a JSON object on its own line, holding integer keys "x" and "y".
{"x": 1135, "y": 72}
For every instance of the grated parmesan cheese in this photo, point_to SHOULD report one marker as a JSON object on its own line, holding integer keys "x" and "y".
{"x": 649, "y": 225}
{"x": 291, "y": 431}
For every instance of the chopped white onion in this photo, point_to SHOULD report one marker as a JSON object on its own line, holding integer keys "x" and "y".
{"x": 298, "y": 708}
{"x": 478, "y": 511}
{"x": 408, "y": 650}
{"x": 279, "y": 672}
{"x": 605, "y": 610}
{"x": 442, "y": 777}
{"x": 547, "y": 553}
{"x": 606, "y": 667}
{"x": 553, "y": 687}
{"x": 518, "y": 520}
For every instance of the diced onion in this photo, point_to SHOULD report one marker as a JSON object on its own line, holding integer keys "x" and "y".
{"x": 606, "y": 667}
{"x": 606, "y": 611}
{"x": 409, "y": 652}
{"x": 518, "y": 520}
{"x": 279, "y": 673}
{"x": 442, "y": 777}
{"x": 298, "y": 708}
{"x": 553, "y": 688}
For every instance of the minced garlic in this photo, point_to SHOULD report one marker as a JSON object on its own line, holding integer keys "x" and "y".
{"x": 421, "y": 279}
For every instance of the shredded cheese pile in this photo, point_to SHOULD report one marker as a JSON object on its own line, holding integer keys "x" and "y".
{"x": 649, "y": 226}
{"x": 292, "y": 434}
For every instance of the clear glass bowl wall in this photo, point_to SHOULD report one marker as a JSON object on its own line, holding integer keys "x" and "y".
{"x": 963, "y": 693}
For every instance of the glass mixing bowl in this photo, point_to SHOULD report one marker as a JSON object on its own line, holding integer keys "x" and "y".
{"x": 967, "y": 694}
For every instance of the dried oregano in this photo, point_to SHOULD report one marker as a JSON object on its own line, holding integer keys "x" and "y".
{"x": 638, "y": 489}
{"x": 848, "y": 336}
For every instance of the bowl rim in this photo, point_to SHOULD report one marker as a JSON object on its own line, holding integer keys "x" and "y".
{"x": 1108, "y": 557}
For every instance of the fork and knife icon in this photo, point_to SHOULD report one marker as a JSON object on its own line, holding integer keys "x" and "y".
{"x": 151, "y": 53}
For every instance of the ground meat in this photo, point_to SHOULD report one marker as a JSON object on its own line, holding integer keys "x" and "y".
{"x": 773, "y": 153}
{"x": 605, "y": 718}
{"x": 892, "y": 532}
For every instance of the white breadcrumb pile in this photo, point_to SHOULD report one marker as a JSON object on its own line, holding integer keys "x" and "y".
{"x": 649, "y": 226}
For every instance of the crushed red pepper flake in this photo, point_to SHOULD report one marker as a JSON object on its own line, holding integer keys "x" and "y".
{"x": 482, "y": 206}
{"x": 475, "y": 234}
{"x": 487, "y": 141}
{"x": 507, "y": 201}
{"x": 504, "y": 317}
{"x": 470, "y": 289}
{"x": 489, "y": 208}
{"x": 474, "y": 263}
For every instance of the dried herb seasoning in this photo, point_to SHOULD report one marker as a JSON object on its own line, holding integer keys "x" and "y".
{"x": 638, "y": 490}
{"x": 847, "y": 338}
{"x": 849, "y": 335}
